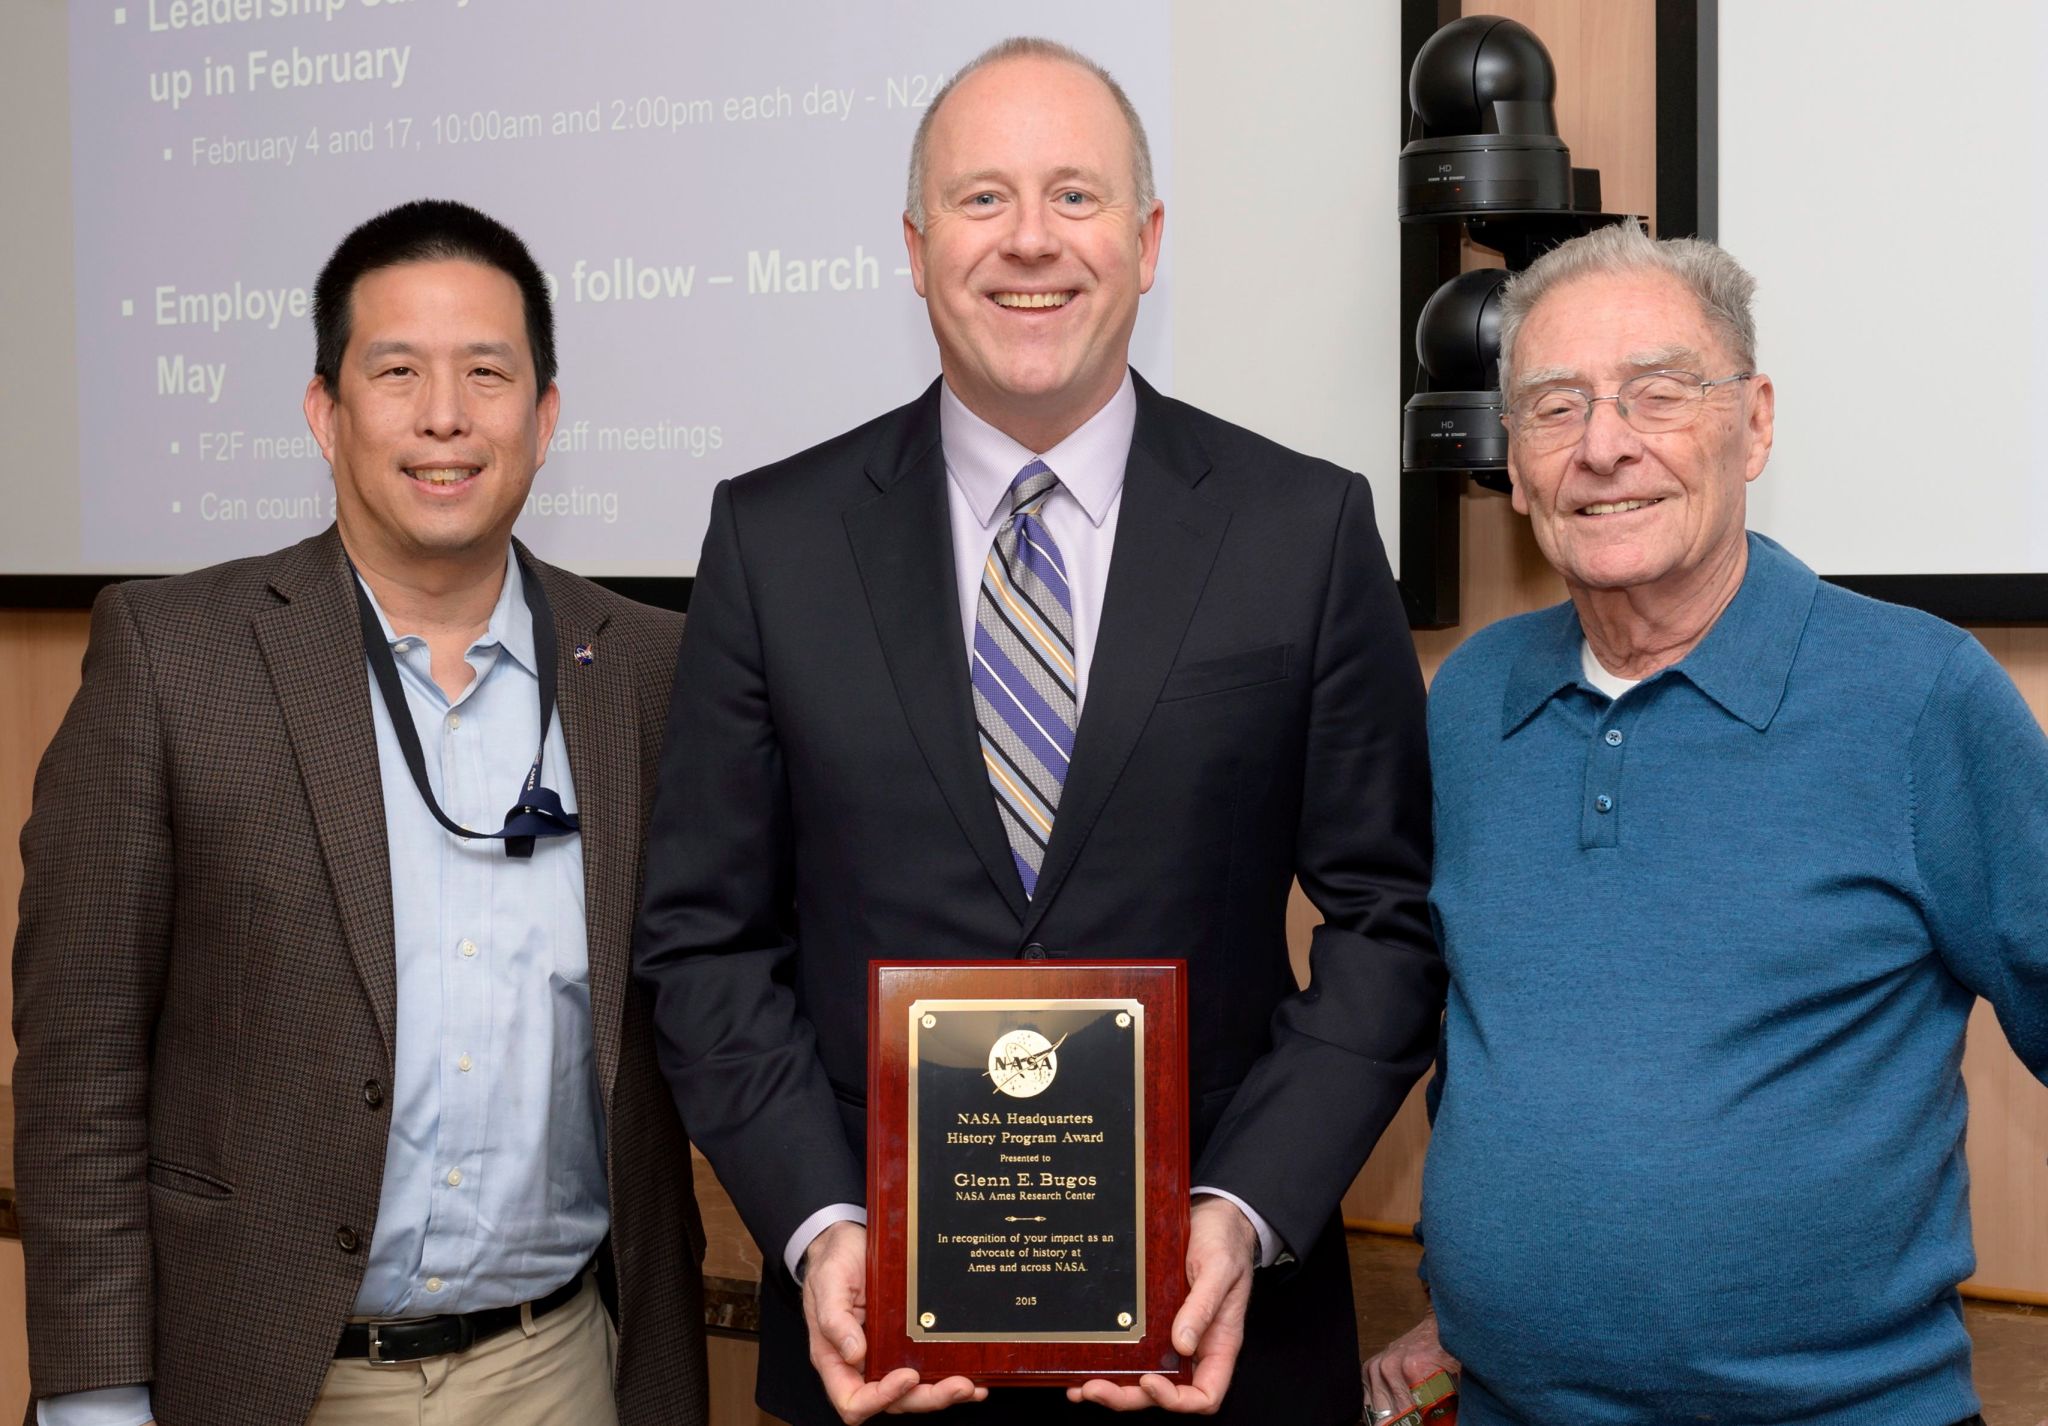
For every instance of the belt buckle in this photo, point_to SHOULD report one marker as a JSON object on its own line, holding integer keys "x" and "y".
{"x": 376, "y": 1355}
{"x": 465, "y": 1338}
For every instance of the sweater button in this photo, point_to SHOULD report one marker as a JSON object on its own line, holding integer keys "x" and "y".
{"x": 1034, "y": 952}
{"x": 1603, "y": 803}
{"x": 1614, "y": 737}
{"x": 373, "y": 1093}
{"x": 346, "y": 1240}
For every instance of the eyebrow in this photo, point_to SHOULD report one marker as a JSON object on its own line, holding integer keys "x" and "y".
{"x": 992, "y": 175}
{"x": 1545, "y": 376}
{"x": 1061, "y": 175}
{"x": 1676, "y": 357}
{"x": 503, "y": 351}
{"x": 979, "y": 175}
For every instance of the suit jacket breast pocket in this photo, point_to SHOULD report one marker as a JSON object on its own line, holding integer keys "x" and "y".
{"x": 1232, "y": 671}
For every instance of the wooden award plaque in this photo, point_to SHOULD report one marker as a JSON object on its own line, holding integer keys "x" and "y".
{"x": 1027, "y": 1169}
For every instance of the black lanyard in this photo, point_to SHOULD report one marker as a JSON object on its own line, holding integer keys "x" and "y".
{"x": 538, "y": 812}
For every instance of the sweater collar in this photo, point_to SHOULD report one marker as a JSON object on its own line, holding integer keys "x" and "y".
{"x": 1742, "y": 664}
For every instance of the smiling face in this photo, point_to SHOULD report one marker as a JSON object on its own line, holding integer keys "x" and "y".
{"x": 1034, "y": 250}
{"x": 1618, "y": 509}
{"x": 435, "y": 428}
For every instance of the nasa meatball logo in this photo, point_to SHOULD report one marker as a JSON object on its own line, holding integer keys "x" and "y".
{"x": 1022, "y": 1063}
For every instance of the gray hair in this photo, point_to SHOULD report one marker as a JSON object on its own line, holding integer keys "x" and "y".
{"x": 1721, "y": 285}
{"x": 1029, "y": 47}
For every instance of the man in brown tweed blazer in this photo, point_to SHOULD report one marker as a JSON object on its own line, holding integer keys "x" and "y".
{"x": 297, "y": 1061}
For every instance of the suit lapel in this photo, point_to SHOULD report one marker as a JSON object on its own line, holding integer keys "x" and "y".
{"x": 601, "y": 724}
{"x": 313, "y": 648}
{"x": 903, "y": 545}
{"x": 1166, "y": 543}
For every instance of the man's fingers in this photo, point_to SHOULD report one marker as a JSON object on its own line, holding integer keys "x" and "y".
{"x": 1150, "y": 1392}
{"x": 1413, "y": 1357}
{"x": 897, "y": 1393}
{"x": 1187, "y": 1400}
{"x": 834, "y": 1285}
{"x": 856, "y": 1400}
{"x": 1211, "y": 1285}
{"x": 835, "y": 1314}
{"x": 1382, "y": 1389}
{"x": 840, "y": 1330}
{"x": 1208, "y": 1328}
{"x": 1215, "y": 1365}
{"x": 1386, "y": 1389}
{"x": 1391, "y": 1377}
{"x": 1194, "y": 1317}
{"x": 839, "y": 1375}
{"x": 1109, "y": 1394}
{"x": 936, "y": 1396}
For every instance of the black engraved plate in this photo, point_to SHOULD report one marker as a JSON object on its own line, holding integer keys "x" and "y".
{"x": 1026, "y": 1160}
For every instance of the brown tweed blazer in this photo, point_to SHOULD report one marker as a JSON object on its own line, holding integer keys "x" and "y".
{"x": 204, "y": 995}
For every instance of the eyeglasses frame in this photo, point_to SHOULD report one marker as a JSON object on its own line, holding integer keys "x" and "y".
{"x": 1509, "y": 418}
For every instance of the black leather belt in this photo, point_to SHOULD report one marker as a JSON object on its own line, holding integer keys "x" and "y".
{"x": 413, "y": 1339}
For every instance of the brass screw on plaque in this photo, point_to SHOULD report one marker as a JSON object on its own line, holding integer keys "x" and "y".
{"x": 928, "y": 1320}
{"x": 1123, "y": 1019}
{"x": 1123, "y": 1319}
{"x": 929, "y": 1021}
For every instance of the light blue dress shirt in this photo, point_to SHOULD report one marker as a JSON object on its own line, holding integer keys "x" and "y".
{"x": 494, "y": 1184}
{"x": 494, "y": 1173}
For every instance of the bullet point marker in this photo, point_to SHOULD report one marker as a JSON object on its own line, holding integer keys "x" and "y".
{"x": 167, "y": 155}
{"x": 127, "y": 308}
{"x": 120, "y": 15}
{"x": 177, "y": 507}
{"x": 174, "y": 447}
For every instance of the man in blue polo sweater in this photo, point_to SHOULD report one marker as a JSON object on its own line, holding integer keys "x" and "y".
{"x": 1724, "y": 857}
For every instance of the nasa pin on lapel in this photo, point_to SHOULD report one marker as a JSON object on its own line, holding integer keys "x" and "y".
{"x": 586, "y": 655}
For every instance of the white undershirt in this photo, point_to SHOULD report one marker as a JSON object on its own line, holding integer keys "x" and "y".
{"x": 1611, "y": 684}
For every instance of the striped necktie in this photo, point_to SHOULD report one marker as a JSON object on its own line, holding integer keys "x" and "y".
{"x": 1025, "y": 703}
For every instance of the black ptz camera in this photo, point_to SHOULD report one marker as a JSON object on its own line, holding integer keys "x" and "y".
{"x": 1454, "y": 423}
{"x": 1481, "y": 88}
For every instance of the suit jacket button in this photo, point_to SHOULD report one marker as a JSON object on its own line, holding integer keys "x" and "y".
{"x": 346, "y": 1240}
{"x": 373, "y": 1093}
{"x": 1034, "y": 952}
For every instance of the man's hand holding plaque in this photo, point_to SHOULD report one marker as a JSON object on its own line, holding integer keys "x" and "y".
{"x": 1209, "y": 1328}
{"x": 1222, "y": 1251}
{"x": 835, "y": 1312}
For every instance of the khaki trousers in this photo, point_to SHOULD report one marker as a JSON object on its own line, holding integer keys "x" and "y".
{"x": 554, "y": 1371}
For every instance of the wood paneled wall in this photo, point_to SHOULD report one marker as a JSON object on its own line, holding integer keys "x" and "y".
{"x": 13, "y": 1335}
{"x": 39, "y": 656}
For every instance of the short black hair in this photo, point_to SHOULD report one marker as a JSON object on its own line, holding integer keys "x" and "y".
{"x": 427, "y": 230}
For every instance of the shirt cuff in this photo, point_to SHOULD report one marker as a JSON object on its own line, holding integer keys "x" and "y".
{"x": 807, "y": 1232}
{"x": 108, "y": 1406}
{"x": 1270, "y": 1246}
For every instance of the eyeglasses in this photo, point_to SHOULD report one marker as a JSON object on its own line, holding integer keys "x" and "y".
{"x": 1653, "y": 402}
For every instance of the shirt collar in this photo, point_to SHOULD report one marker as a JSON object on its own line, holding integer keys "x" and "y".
{"x": 509, "y": 627}
{"x": 1742, "y": 664}
{"x": 982, "y": 461}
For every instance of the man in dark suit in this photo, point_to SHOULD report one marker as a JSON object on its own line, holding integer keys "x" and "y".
{"x": 328, "y": 1106}
{"x": 1041, "y": 665}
